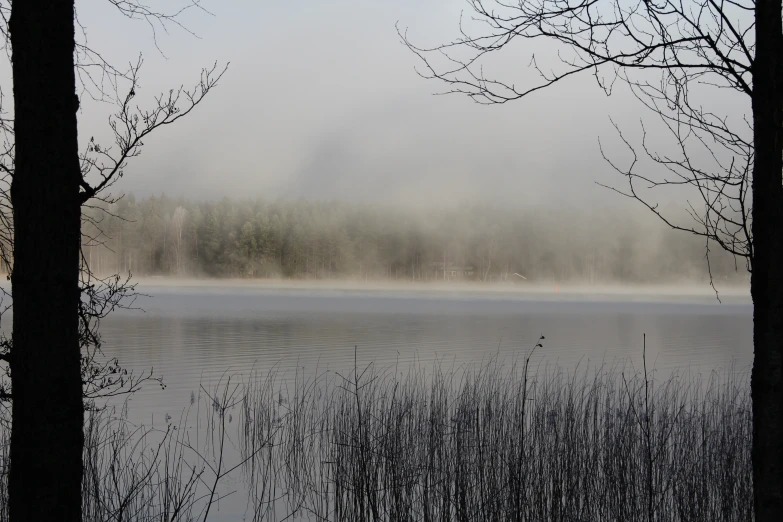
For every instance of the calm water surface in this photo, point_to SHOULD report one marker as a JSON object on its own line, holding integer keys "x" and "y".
{"x": 194, "y": 334}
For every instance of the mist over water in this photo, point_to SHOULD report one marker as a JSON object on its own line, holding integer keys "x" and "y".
{"x": 323, "y": 214}
{"x": 370, "y": 266}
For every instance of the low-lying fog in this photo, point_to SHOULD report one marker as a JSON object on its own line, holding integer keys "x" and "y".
{"x": 581, "y": 291}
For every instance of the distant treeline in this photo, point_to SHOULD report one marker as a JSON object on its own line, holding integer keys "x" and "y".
{"x": 330, "y": 240}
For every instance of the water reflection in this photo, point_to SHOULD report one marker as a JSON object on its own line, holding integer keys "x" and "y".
{"x": 191, "y": 336}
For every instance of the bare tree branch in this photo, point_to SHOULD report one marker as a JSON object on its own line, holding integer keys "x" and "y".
{"x": 686, "y": 44}
{"x": 132, "y": 124}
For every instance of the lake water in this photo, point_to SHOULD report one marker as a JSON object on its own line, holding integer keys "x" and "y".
{"x": 198, "y": 333}
{"x": 194, "y": 334}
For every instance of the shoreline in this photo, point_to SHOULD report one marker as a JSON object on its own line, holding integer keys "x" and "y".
{"x": 700, "y": 292}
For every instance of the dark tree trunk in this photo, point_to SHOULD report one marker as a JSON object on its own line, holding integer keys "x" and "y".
{"x": 767, "y": 276}
{"x": 46, "y": 439}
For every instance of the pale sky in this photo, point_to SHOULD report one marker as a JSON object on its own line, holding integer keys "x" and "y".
{"x": 321, "y": 100}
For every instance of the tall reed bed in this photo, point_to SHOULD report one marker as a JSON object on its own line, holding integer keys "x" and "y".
{"x": 499, "y": 442}
{"x": 176, "y": 470}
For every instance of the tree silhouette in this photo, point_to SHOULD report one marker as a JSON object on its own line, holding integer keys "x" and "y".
{"x": 58, "y": 302}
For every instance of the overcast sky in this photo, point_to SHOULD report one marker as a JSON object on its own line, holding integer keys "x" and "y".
{"x": 321, "y": 100}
